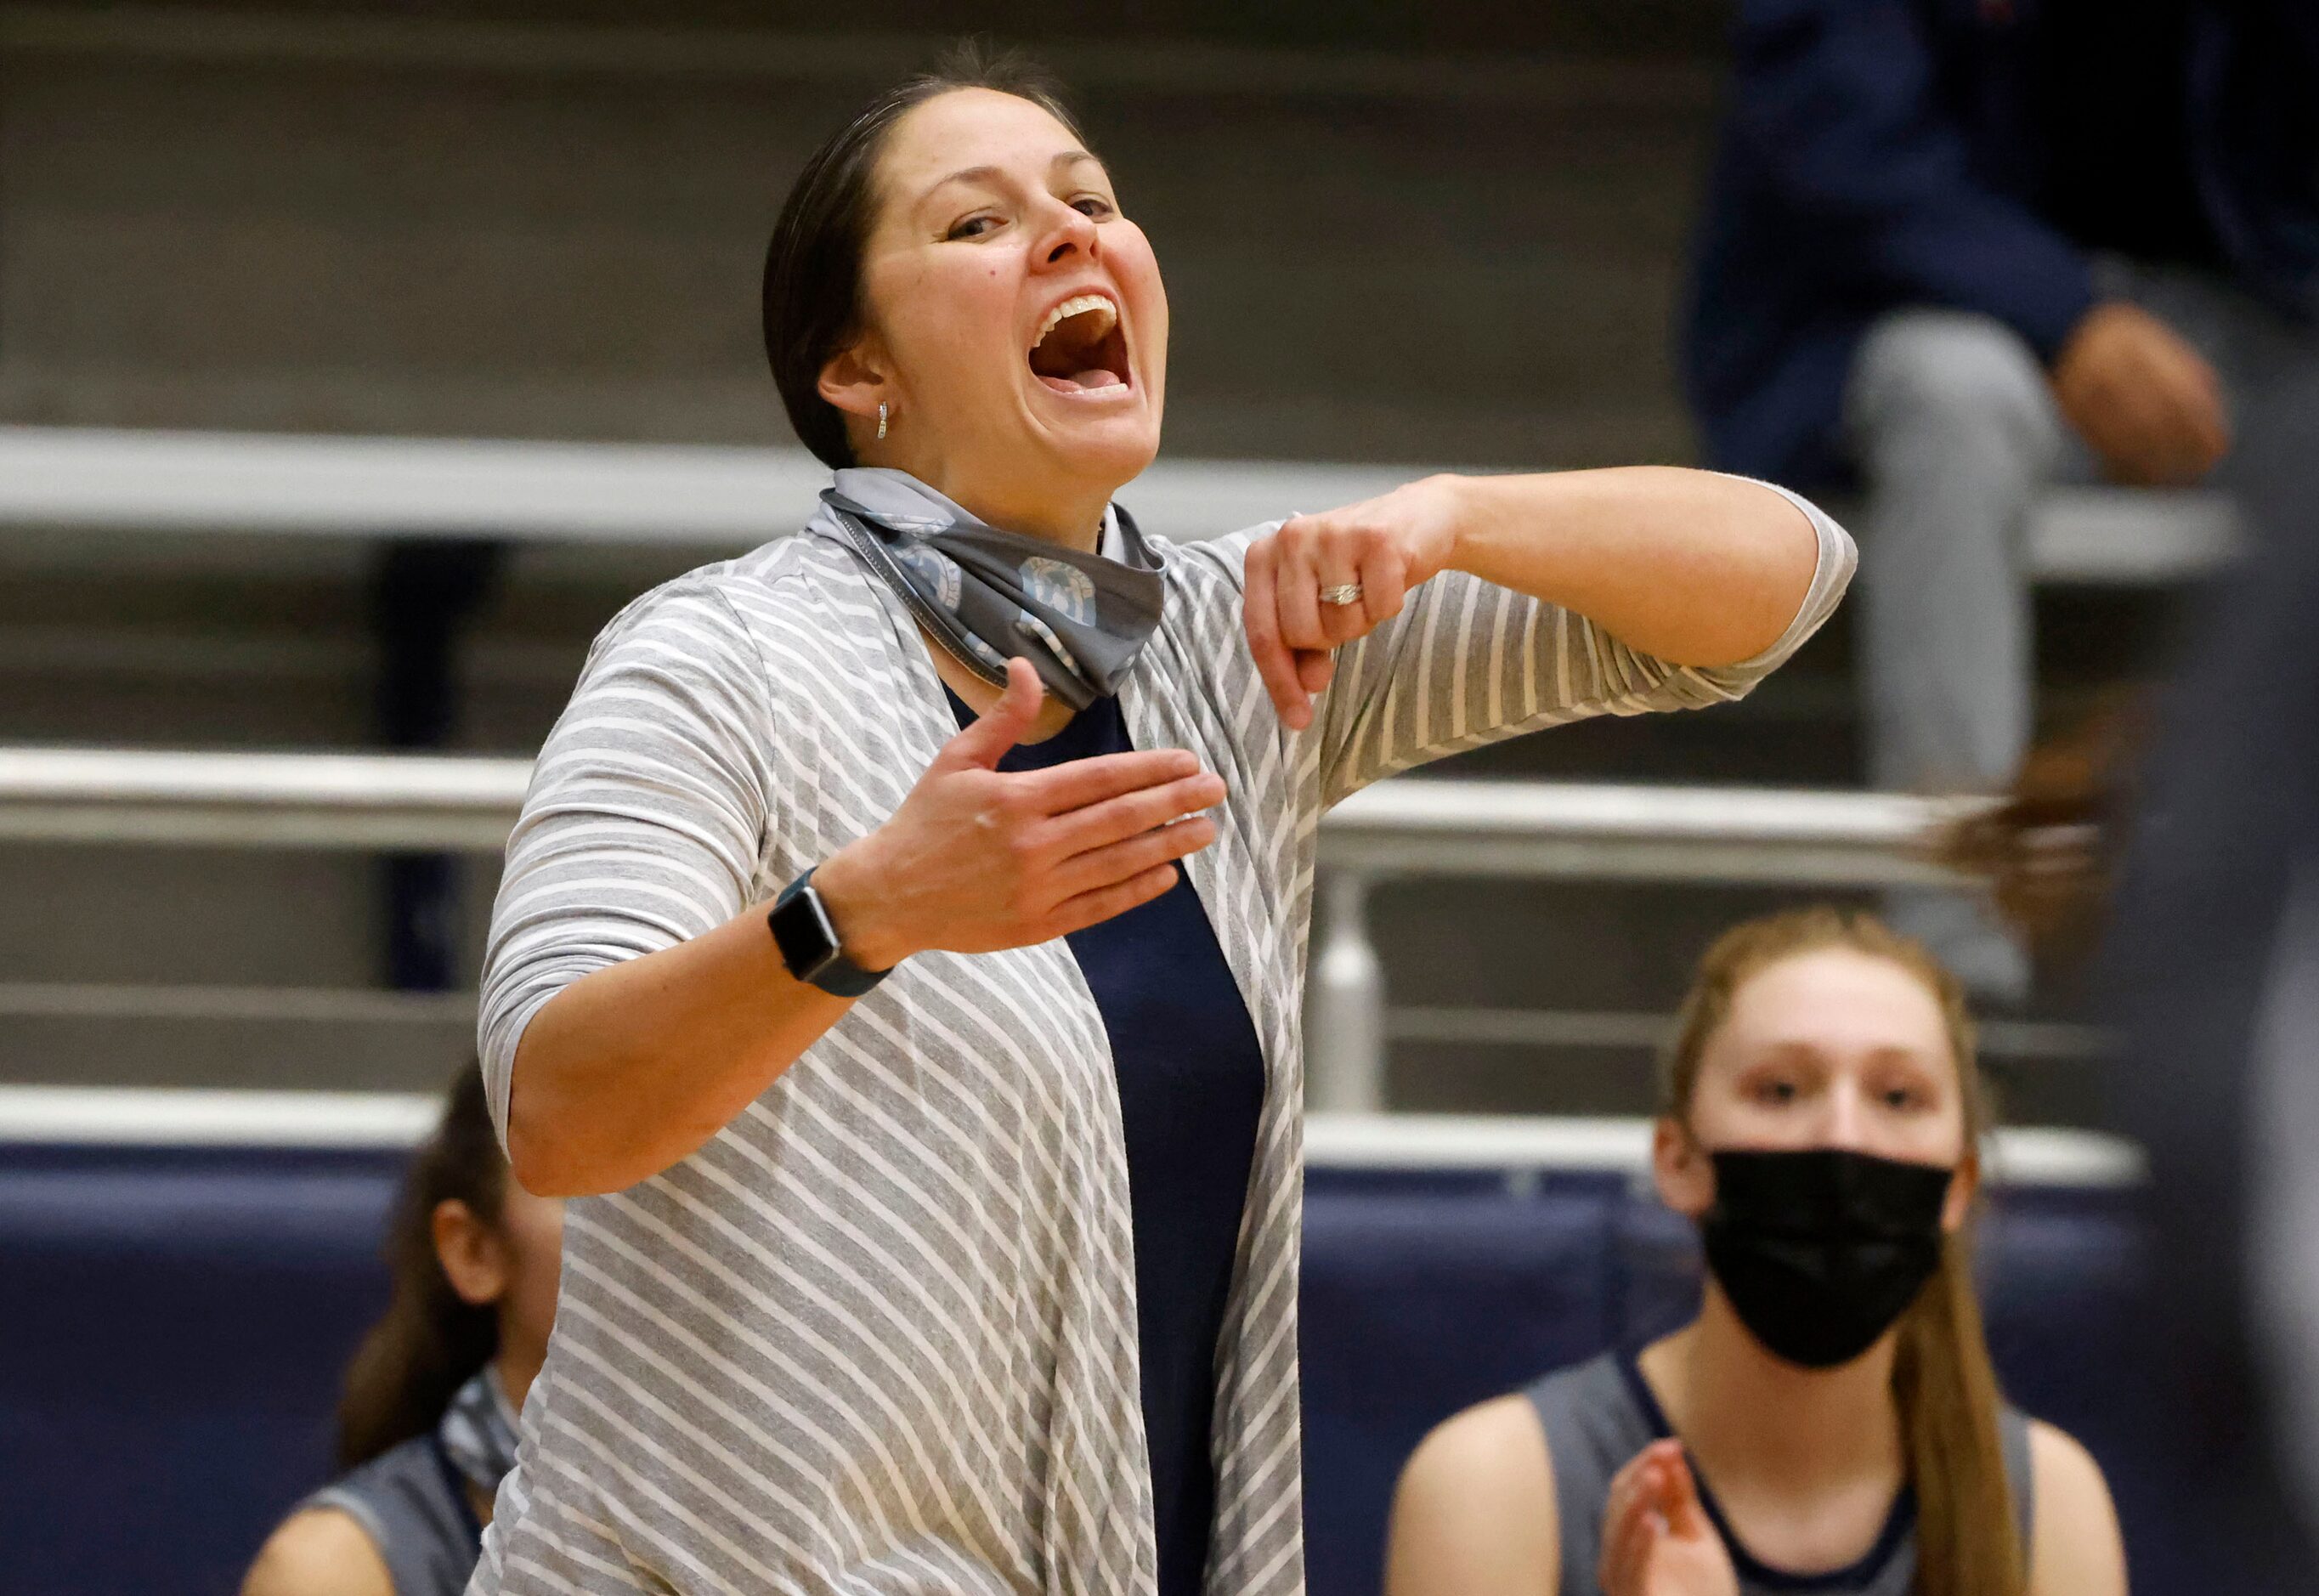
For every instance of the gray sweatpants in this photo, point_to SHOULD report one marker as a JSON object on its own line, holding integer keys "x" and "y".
{"x": 1956, "y": 433}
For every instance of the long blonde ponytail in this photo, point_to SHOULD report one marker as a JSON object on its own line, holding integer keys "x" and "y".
{"x": 1944, "y": 1386}
{"x": 1967, "y": 1539}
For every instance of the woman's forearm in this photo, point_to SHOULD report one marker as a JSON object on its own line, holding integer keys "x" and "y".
{"x": 631, "y": 1069}
{"x": 1696, "y": 568}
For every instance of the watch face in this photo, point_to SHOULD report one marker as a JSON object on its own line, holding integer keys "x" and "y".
{"x": 804, "y": 934}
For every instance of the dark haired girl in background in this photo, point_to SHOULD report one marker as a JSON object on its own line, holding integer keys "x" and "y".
{"x": 935, "y": 1138}
{"x": 427, "y": 1423}
{"x": 1830, "y": 1421}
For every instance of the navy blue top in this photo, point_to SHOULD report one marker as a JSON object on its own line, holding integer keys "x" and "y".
{"x": 1191, "y": 1085}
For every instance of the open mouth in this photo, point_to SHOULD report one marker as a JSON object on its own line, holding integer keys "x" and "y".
{"x": 1080, "y": 350}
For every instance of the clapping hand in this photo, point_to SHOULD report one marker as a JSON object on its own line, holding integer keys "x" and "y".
{"x": 1657, "y": 1539}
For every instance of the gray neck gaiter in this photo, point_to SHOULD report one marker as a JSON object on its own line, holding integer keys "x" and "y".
{"x": 986, "y": 595}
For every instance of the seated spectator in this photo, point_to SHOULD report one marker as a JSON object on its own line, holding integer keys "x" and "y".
{"x": 1830, "y": 1419}
{"x": 426, "y": 1427}
{"x": 1959, "y": 251}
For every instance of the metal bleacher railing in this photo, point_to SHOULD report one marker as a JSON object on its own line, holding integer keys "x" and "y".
{"x": 1401, "y": 827}
{"x": 1398, "y": 828}
{"x": 1517, "y": 1148}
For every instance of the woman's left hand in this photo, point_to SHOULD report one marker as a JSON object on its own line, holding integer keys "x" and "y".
{"x": 1384, "y": 547}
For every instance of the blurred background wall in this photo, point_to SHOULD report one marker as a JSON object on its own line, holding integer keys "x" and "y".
{"x": 544, "y": 220}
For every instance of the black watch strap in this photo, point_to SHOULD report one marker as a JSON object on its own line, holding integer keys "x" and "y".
{"x": 808, "y": 939}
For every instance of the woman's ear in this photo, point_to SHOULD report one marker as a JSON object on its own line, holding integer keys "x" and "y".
{"x": 854, "y": 380}
{"x": 1684, "y": 1174}
{"x": 1964, "y": 1186}
{"x": 475, "y": 1259}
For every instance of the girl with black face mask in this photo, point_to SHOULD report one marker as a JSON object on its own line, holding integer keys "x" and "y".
{"x": 1830, "y": 1421}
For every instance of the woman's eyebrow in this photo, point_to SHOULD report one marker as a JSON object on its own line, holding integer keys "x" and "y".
{"x": 1898, "y": 1053}
{"x": 963, "y": 175}
{"x": 986, "y": 173}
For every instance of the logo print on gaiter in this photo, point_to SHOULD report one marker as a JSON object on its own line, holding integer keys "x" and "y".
{"x": 1066, "y": 590}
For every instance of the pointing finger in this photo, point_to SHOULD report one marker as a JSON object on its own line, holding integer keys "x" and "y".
{"x": 1274, "y": 662}
{"x": 1296, "y": 582}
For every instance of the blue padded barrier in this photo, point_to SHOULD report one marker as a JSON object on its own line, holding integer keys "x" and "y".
{"x": 177, "y": 1321}
{"x": 1417, "y": 1300}
{"x": 169, "y": 1354}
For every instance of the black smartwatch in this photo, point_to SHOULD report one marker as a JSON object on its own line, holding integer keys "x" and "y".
{"x": 808, "y": 943}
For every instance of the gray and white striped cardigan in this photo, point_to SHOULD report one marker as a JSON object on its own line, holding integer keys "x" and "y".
{"x": 879, "y": 1334}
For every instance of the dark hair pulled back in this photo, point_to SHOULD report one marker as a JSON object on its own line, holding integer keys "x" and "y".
{"x": 430, "y": 1340}
{"x": 813, "y": 303}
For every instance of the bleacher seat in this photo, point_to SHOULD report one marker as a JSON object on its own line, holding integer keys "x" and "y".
{"x": 177, "y": 1321}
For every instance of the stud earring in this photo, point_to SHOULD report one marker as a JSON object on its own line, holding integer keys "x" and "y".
{"x": 882, "y": 420}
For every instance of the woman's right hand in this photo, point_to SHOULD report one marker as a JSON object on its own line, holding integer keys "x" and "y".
{"x": 977, "y": 860}
{"x": 1657, "y": 1539}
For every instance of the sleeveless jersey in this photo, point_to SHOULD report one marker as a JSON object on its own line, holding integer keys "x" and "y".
{"x": 413, "y": 1505}
{"x": 1599, "y": 1414}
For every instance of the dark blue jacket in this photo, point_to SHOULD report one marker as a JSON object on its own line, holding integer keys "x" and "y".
{"x": 1880, "y": 153}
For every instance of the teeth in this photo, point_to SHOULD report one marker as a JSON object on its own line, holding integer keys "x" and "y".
{"x": 1078, "y": 306}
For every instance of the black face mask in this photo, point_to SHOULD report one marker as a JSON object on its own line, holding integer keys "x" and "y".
{"x": 1820, "y": 1250}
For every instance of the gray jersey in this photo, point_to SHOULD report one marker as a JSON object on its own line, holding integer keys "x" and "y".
{"x": 1599, "y": 1414}
{"x": 413, "y": 1505}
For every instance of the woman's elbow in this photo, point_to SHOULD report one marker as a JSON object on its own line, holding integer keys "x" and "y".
{"x": 550, "y": 1156}
{"x": 566, "y": 1142}
{"x": 1792, "y": 542}
{"x": 538, "y": 1159}
{"x": 1781, "y": 571}
{"x": 546, "y": 1148}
